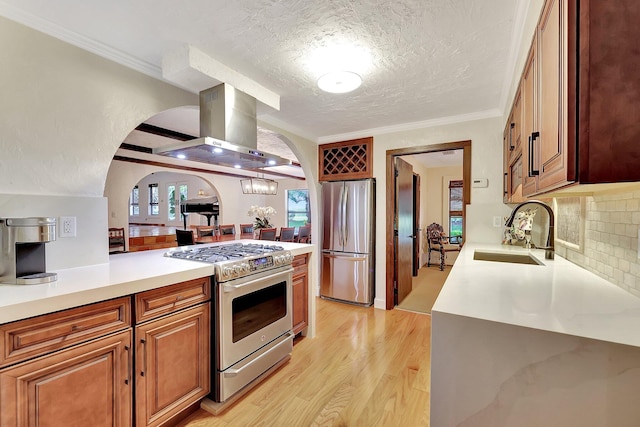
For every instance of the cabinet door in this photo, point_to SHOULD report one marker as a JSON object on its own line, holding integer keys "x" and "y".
{"x": 516, "y": 126}
{"x": 552, "y": 142}
{"x": 529, "y": 121}
{"x": 505, "y": 164}
{"x": 172, "y": 364}
{"x": 300, "y": 284}
{"x": 85, "y": 385}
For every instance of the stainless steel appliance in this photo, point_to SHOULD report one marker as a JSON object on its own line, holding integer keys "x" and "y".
{"x": 22, "y": 254}
{"x": 348, "y": 236}
{"x": 253, "y": 310}
{"x": 228, "y": 130}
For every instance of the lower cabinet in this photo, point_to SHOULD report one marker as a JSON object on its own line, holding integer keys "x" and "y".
{"x": 172, "y": 364}
{"x": 172, "y": 343}
{"x": 300, "y": 285}
{"x": 85, "y": 385}
{"x": 78, "y": 367}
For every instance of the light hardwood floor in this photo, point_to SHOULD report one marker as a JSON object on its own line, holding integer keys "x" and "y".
{"x": 366, "y": 367}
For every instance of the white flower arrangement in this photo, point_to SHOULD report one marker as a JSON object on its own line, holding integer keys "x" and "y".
{"x": 262, "y": 214}
{"x": 522, "y": 223}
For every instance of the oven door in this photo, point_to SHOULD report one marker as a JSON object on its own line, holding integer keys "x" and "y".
{"x": 252, "y": 312}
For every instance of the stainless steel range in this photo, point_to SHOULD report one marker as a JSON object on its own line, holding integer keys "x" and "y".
{"x": 252, "y": 311}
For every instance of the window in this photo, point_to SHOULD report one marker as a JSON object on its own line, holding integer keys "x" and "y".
{"x": 455, "y": 210}
{"x": 298, "y": 210}
{"x": 173, "y": 202}
{"x": 154, "y": 199}
{"x": 134, "y": 202}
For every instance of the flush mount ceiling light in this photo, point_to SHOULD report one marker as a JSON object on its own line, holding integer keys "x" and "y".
{"x": 259, "y": 186}
{"x": 339, "y": 81}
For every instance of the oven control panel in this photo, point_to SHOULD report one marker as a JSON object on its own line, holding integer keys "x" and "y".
{"x": 245, "y": 267}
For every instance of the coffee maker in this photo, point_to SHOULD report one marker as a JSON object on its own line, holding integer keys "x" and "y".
{"x": 22, "y": 255}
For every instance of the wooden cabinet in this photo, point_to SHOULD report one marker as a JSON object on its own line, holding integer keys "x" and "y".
{"x": 70, "y": 368}
{"x": 300, "y": 291}
{"x": 512, "y": 142}
{"x": 579, "y": 94}
{"x": 172, "y": 352}
{"x": 346, "y": 160}
{"x": 85, "y": 385}
{"x": 39, "y": 335}
{"x": 549, "y": 142}
{"x": 528, "y": 90}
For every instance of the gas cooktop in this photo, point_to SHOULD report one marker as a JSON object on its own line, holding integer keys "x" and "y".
{"x": 235, "y": 260}
{"x": 220, "y": 253}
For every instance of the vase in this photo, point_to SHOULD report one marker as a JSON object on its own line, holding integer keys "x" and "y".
{"x": 256, "y": 233}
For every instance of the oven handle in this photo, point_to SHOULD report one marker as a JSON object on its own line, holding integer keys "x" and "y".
{"x": 232, "y": 288}
{"x": 234, "y": 372}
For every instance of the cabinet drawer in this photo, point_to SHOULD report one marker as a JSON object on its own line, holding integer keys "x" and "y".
{"x": 157, "y": 302}
{"x": 36, "y": 336}
{"x": 299, "y": 264}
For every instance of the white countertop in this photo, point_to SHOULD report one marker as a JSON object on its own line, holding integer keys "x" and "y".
{"x": 557, "y": 296}
{"x": 125, "y": 274}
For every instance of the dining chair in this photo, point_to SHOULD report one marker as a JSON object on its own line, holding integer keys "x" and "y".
{"x": 440, "y": 243}
{"x": 205, "y": 230}
{"x": 267, "y": 234}
{"x": 116, "y": 240}
{"x": 184, "y": 237}
{"x": 246, "y": 231}
{"x": 304, "y": 234}
{"x": 286, "y": 234}
{"x": 227, "y": 232}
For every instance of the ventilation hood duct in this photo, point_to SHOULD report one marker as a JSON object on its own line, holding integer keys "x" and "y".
{"x": 229, "y": 133}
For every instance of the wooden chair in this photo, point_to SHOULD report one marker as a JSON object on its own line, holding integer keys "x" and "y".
{"x": 440, "y": 243}
{"x": 267, "y": 234}
{"x": 304, "y": 234}
{"x": 205, "y": 230}
{"x": 116, "y": 240}
{"x": 286, "y": 234}
{"x": 184, "y": 237}
{"x": 246, "y": 231}
{"x": 227, "y": 232}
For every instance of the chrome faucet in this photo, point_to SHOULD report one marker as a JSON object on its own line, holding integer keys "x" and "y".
{"x": 549, "y": 250}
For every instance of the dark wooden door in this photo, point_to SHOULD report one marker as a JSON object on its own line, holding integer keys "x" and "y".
{"x": 404, "y": 228}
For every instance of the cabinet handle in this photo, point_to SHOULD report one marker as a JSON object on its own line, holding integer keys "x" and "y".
{"x": 504, "y": 184}
{"x": 511, "y": 146}
{"x": 144, "y": 356}
{"x": 532, "y": 139}
{"x": 128, "y": 349}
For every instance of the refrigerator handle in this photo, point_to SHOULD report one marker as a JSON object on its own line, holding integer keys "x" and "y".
{"x": 340, "y": 219}
{"x": 344, "y": 218}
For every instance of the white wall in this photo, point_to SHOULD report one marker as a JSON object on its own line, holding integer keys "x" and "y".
{"x": 63, "y": 114}
{"x": 486, "y": 162}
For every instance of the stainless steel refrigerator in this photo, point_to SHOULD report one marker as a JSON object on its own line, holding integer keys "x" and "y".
{"x": 348, "y": 241}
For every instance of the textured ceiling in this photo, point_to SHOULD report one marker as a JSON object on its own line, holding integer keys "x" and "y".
{"x": 429, "y": 59}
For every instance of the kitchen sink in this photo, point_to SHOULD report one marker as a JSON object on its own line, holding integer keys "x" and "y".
{"x": 512, "y": 258}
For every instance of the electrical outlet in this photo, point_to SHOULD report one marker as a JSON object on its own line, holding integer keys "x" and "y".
{"x": 497, "y": 221}
{"x": 67, "y": 226}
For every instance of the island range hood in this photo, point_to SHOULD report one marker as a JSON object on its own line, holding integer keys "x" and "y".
{"x": 228, "y": 133}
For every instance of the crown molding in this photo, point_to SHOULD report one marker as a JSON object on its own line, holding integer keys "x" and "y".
{"x": 480, "y": 115}
{"x": 85, "y": 43}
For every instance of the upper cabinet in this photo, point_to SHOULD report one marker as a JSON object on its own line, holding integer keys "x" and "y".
{"x": 579, "y": 98}
{"x": 346, "y": 160}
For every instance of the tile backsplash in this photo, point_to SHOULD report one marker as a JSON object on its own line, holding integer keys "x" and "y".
{"x": 609, "y": 245}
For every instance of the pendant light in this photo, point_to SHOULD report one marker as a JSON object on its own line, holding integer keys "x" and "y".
{"x": 259, "y": 186}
